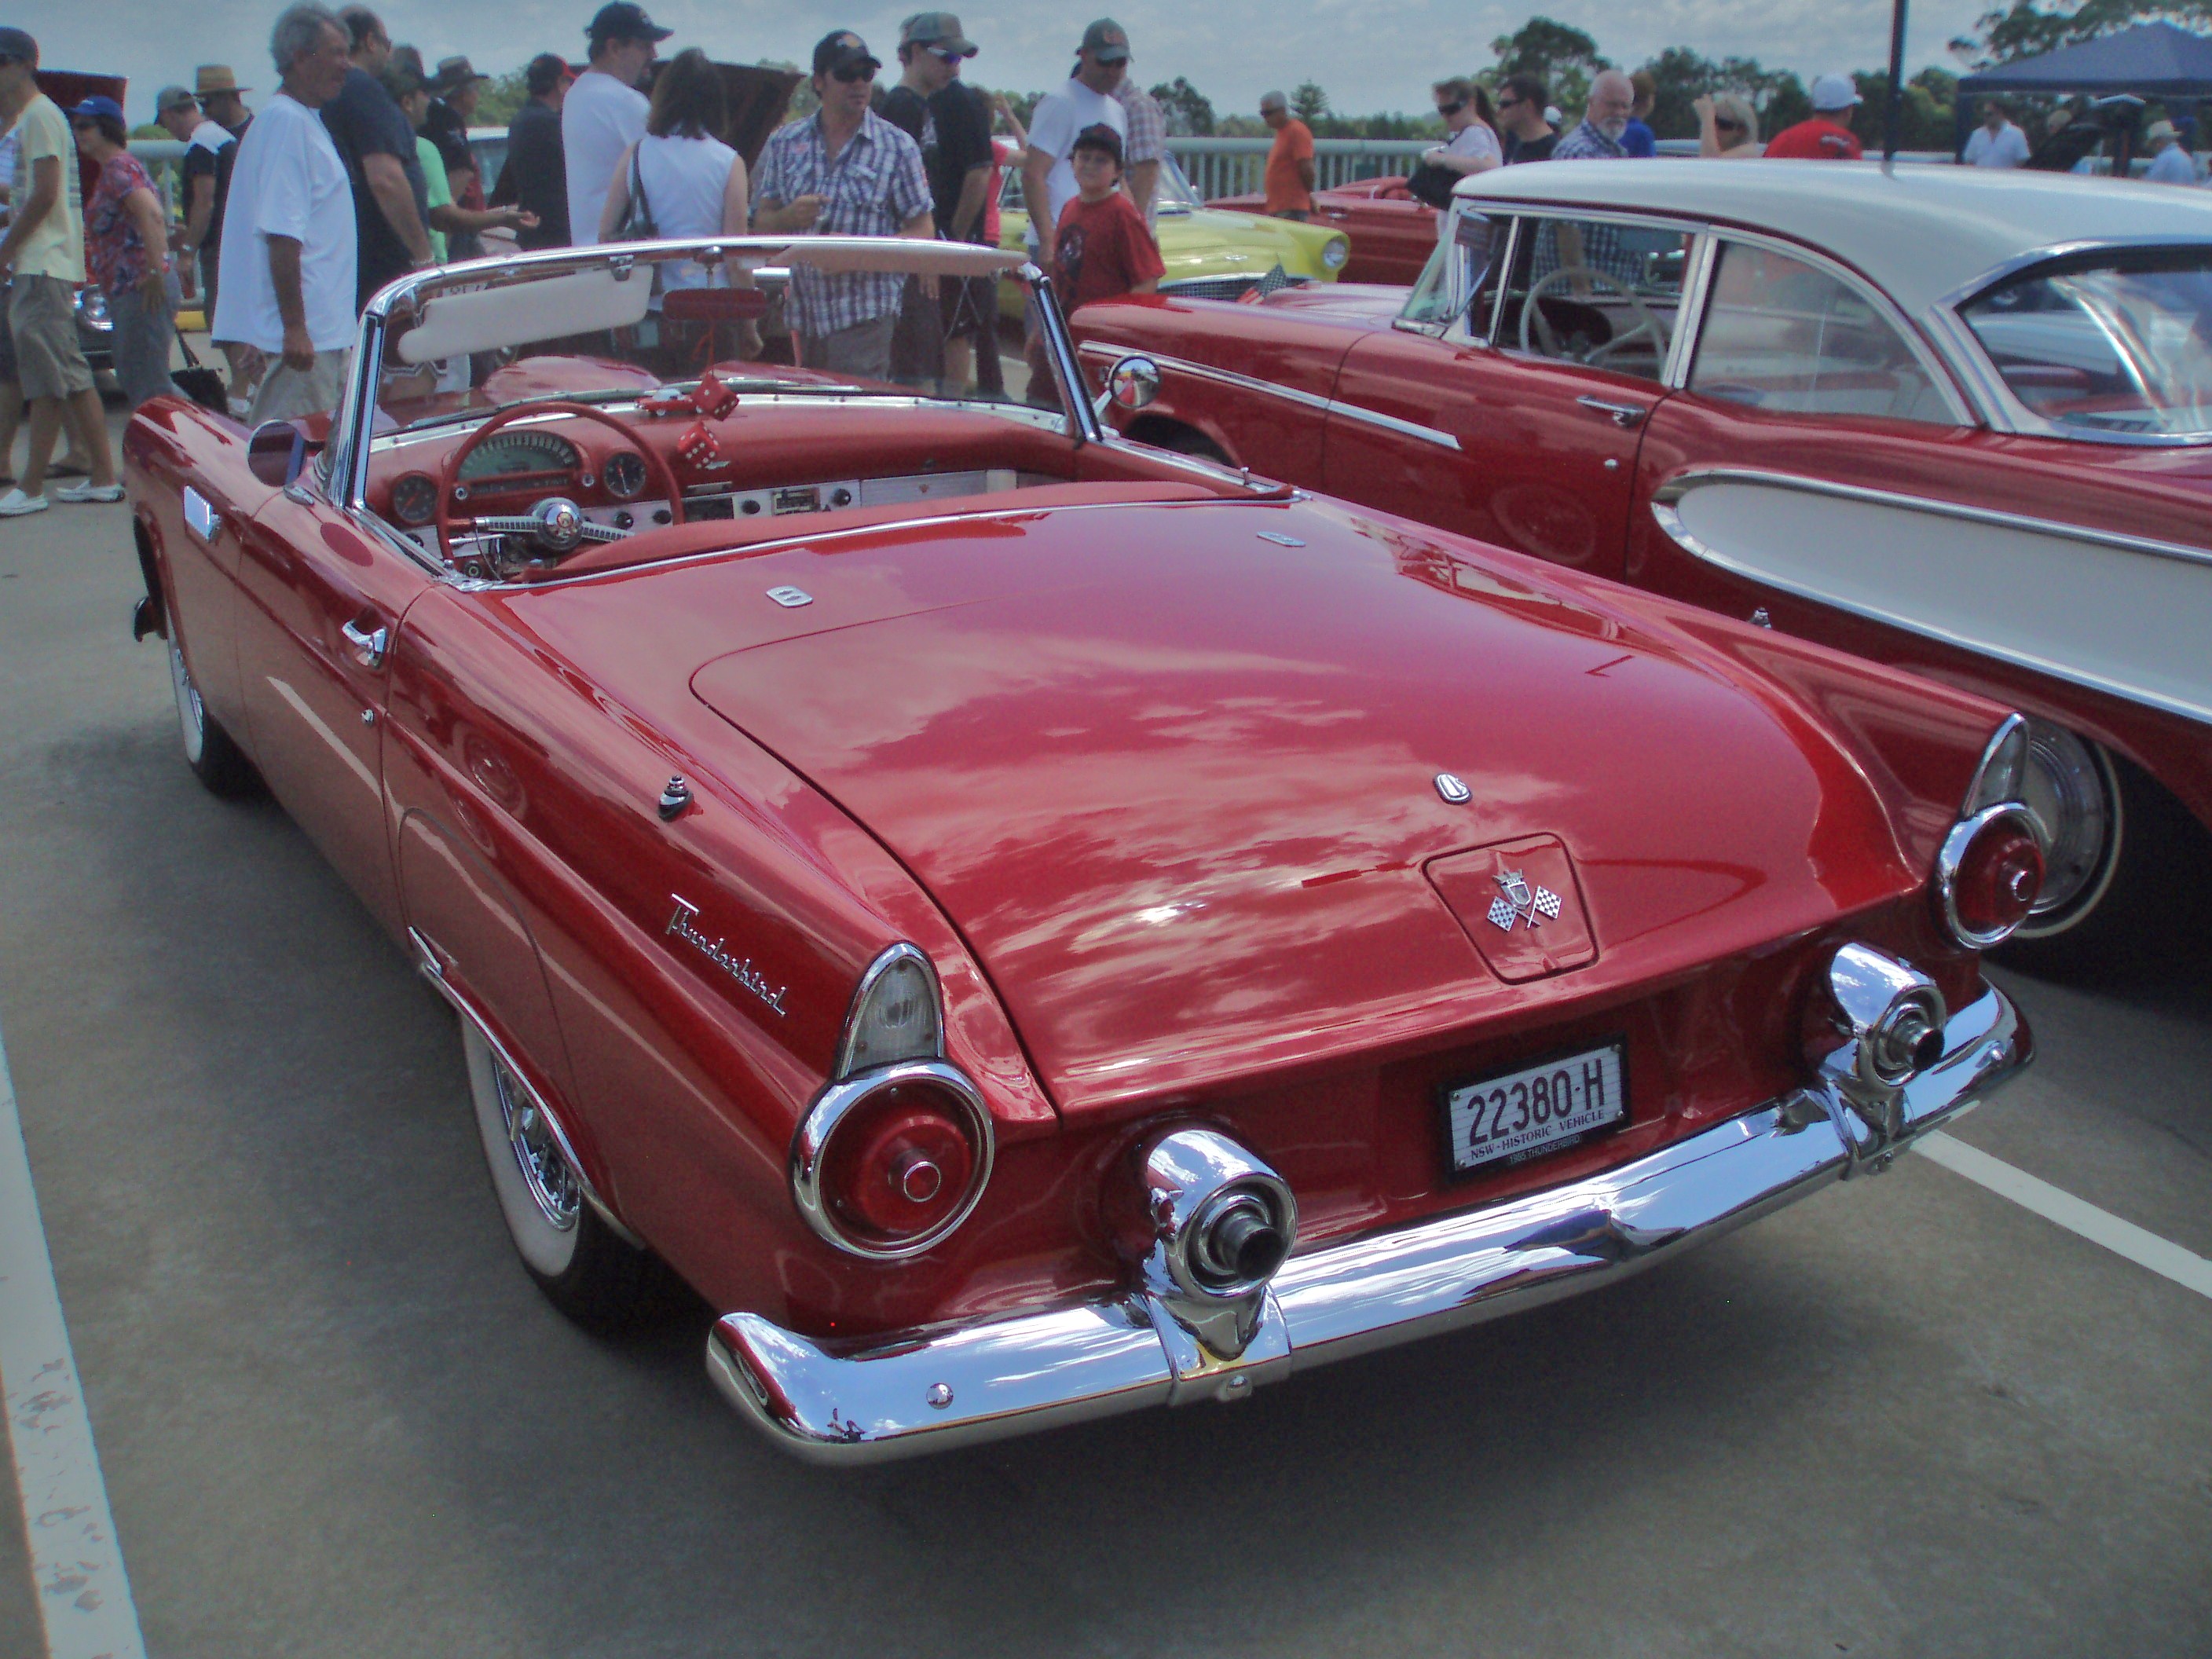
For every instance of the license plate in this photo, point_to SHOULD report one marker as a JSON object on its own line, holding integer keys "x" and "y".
{"x": 1517, "y": 1114}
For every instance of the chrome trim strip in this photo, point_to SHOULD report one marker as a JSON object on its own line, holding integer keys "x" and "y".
{"x": 1083, "y": 425}
{"x": 929, "y": 1390}
{"x": 1669, "y": 521}
{"x": 1690, "y": 311}
{"x": 1290, "y": 394}
{"x": 1998, "y": 738}
{"x": 432, "y": 964}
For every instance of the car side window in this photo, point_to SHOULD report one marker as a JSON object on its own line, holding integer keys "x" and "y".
{"x": 1595, "y": 292}
{"x": 1468, "y": 264}
{"x": 1782, "y": 334}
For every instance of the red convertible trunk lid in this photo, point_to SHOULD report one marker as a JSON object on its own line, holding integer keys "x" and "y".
{"x": 1174, "y": 772}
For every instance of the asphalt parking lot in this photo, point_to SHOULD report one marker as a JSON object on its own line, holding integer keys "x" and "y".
{"x": 1909, "y": 1416}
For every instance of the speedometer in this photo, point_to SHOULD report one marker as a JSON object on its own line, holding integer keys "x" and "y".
{"x": 509, "y": 454}
{"x": 414, "y": 499}
{"x": 625, "y": 474}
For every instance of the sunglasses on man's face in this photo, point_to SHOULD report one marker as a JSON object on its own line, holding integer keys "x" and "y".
{"x": 851, "y": 72}
{"x": 1452, "y": 108}
{"x": 948, "y": 58}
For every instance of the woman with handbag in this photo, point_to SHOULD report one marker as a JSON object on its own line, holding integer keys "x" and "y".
{"x": 680, "y": 180}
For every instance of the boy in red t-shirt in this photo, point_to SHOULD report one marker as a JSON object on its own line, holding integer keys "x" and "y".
{"x": 1105, "y": 247}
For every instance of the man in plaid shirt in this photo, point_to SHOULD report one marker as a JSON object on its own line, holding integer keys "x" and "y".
{"x": 845, "y": 172}
{"x": 1147, "y": 141}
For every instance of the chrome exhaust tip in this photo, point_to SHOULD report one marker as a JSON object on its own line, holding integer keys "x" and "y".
{"x": 1219, "y": 1225}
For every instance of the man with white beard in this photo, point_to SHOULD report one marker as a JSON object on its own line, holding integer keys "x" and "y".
{"x": 1605, "y": 118}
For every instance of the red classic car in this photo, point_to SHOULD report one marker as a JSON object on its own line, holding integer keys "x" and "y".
{"x": 1027, "y": 923}
{"x": 1392, "y": 235}
{"x": 1954, "y": 422}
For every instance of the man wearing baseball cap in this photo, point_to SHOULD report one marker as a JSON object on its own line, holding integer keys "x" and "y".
{"x": 44, "y": 249}
{"x": 1087, "y": 101}
{"x": 936, "y": 109}
{"x": 536, "y": 174}
{"x": 844, "y": 171}
{"x": 604, "y": 114}
{"x": 1824, "y": 137}
{"x": 209, "y": 151}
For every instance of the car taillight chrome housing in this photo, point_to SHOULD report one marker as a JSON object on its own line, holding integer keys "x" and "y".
{"x": 890, "y": 1162}
{"x": 894, "y": 1153}
{"x": 1989, "y": 870}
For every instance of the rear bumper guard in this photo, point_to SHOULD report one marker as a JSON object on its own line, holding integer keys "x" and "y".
{"x": 948, "y": 1386}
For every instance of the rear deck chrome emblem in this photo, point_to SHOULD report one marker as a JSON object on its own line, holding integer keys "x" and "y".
{"x": 683, "y": 925}
{"x": 1522, "y": 901}
{"x": 791, "y": 598}
{"x": 1453, "y": 789}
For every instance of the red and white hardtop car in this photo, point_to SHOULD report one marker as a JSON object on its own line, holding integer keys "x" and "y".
{"x": 1954, "y": 420}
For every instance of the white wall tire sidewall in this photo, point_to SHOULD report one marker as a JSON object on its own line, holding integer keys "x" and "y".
{"x": 191, "y": 711}
{"x": 2085, "y": 904}
{"x": 548, "y": 1250}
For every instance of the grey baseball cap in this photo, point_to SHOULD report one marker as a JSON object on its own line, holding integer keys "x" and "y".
{"x": 1107, "y": 41}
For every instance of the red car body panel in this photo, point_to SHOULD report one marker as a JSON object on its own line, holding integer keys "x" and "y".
{"x": 1528, "y": 466}
{"x": 1392, "y": 235}
{"x": 1113, "y": 767}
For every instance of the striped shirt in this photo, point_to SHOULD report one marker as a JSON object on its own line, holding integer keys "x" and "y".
{"x": 872, "y": 187}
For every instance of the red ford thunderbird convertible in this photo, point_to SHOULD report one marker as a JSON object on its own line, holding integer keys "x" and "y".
{"x": 1029, "y": 925}
{"x": 1955, "y": 421}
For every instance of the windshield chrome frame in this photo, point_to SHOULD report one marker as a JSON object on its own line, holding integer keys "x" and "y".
{"x": 2001, "y": 406}
{"x": 352, "y": 433}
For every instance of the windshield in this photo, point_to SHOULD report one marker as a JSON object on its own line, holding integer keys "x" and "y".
{"x": 822, "y": 317}
{"x": 2107, "y": 343}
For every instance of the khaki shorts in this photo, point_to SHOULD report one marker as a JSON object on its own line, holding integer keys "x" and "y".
{"x": 287, "y": 392}
{"x": 42, "y": 317}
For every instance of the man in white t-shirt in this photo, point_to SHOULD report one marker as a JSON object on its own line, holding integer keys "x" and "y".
{"x": 290, "y": 244}
{"x": 2171, "y": 162}
{"x": 1996, "y": 142}
{"x": 1087, "y": 101}
{"x": 604, "y": 114}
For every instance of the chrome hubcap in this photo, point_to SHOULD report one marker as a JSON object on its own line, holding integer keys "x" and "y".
{"x": 544, "y": 1168}
{"x": 191, "y": 718}
{"x": 2069, "y": 791}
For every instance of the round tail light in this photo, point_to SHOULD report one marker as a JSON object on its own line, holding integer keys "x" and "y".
{"x": 1988, "y": 875}
{"x": 890, "y": 1162}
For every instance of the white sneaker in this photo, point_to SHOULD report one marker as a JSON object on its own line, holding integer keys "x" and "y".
{"x": 15, "y": 504}
{"x": 90, "y": 492}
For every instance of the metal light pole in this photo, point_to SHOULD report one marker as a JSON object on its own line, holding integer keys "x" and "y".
{"x": 1894, "y": 117}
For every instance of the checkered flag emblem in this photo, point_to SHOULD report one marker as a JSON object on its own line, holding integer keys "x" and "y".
{"x": 1523, "y": 901}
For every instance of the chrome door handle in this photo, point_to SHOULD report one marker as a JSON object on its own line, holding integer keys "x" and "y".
{"x": 1624, "y": 415}
{"x": 368, "y": 646}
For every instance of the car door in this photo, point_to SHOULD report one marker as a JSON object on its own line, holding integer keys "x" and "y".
{"x": 1799, "y": 370}
{"x": 320, "y": 602}
{"x": 1518, "y": 422}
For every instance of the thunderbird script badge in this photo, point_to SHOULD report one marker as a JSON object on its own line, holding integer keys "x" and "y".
{"x": 1522, "y": 901}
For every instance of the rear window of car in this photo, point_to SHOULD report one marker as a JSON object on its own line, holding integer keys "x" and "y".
{"x": 2106, "y": 343}
{"x": 1782, "y": 334}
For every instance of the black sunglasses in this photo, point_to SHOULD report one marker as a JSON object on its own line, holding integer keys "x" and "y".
{"x": 1723, "y": 121}
{"x": 1451, "y": 108}
{"x": 849, "y": 73}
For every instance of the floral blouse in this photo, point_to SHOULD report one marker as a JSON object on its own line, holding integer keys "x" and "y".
{"x": 112, "y": 246}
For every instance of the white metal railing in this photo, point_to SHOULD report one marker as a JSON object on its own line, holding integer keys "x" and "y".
{"x": 1231, "y": 166}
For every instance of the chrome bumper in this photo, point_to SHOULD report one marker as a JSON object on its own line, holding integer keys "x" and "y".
{"x": 925, "y": 1391}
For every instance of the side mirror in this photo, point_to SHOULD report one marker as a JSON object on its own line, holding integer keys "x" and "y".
{"x": 276, "y": 453}
{"x": 1131, "y": 384}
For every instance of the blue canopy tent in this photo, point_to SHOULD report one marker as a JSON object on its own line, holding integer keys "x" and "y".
{"x": 2152, "y": 60}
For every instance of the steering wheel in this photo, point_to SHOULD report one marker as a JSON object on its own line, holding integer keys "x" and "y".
{"x": 556, "y": 525}
{"x": 1647, "y": 326}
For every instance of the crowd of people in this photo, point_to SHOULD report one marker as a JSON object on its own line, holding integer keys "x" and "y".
{"x": 358, "y": 170}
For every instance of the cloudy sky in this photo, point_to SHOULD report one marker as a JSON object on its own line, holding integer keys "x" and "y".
{"x": 1368, "y": 54}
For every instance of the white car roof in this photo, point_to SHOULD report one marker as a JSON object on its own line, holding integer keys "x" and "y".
{"x": 1921, "y": 232}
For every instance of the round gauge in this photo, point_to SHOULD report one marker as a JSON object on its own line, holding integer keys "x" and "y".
{"x": 625, "y": 474}
{"x": 507, "y": 455}
{"x": 414, "y": 499}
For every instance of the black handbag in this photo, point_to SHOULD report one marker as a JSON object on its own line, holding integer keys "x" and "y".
{"x": 1432, "y": 184}
{"x": 203, "y": 385}
{"x": 637, "y": 224}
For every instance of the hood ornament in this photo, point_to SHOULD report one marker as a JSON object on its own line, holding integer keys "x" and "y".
{"x": 1523, "y": 901}
{"x": 1454, "y": 790}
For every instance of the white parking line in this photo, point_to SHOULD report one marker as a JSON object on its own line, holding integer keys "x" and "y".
{"x": 84, "y": 1596}
{"x": 2124, "y": 1238}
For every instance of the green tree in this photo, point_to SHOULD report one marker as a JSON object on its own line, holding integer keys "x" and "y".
{"x": 1189, "y": 111}
{"x": 1309, "y": 102}
{"x": 1679, "y": 76}
{"x": 1558, "y": 54}
{"x": 502, "y": 95}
